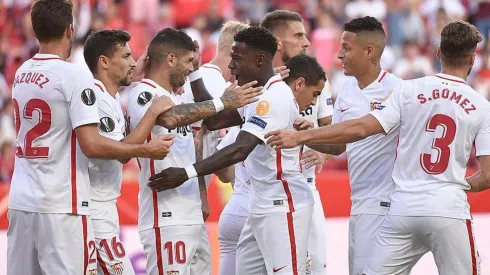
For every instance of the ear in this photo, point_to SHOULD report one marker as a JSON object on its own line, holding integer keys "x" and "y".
{"x": 279, "y": 45}
{"x": 370, "y": 51}
{"x": 104, "y": 62}
{"x": 260, "y": 59}
{"x": 299, "y": 84}
{"x": 70, "y": 32}
{"x": 438, "y": 53}
{"x": 171, "y": 60}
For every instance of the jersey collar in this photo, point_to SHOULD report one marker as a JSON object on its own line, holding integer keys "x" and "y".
{"x": 45, "y": 56}
{"x": 450, "y": 78}
{"x": 276, "y": 78}
{"x": 100, "y": 85}
{"x": 381, "y": 76}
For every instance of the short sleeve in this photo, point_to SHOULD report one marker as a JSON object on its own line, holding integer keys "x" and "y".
{"x": 267, "y": 114}
{"x": 81, "y": 98}
{"x": 325, "y": 103}
{"x": 388, "y": 113}
{"x": 337, "y": 114}
{"x": 482, "y": 141}
{"x": 109, "y": 126}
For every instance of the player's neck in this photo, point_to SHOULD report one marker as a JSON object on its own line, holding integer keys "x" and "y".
{"x": 221, "y": 62}
{"x": 162, "y": 79}
{"x": 109, "y": 85}
{"x": 277, "y": 61}
{"x": 368, "y": 77}
{"x": 265, "y": 76}
{"x": 457, "y": 72}
{"x": 55, "y": 48}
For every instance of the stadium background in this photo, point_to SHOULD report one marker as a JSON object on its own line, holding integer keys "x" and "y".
{"x": 413, "y": 28}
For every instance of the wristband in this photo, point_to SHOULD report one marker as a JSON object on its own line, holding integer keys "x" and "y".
{"x": 218, "y": 104}
{"x": 194, "y": 75}
{"x": 191, "y": 171}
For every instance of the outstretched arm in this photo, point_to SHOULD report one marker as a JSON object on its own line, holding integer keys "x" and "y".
{"x": 330, "y": 149}
{"x": 230, "y": 155}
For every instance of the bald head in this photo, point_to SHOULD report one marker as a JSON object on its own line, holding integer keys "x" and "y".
{"x": 368, "y": 32}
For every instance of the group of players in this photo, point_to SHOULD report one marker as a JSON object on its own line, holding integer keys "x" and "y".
{"x": 73, "y": 138}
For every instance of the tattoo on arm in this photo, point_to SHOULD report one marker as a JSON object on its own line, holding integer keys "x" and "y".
{"x": 198, "y": 143}
{"x": 186, "y": 114}
{"x": 330, "y": 149}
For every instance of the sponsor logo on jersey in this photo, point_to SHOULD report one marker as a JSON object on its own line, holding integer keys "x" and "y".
{"x": 184, "y": 130}
{"x": 384, "y": 204}
{"x": 262, "y": 108}
{"x": 278, "y": 202}
{"x": 144, "y": 98}
{"x": 107, "y": 125}
{"x": 166, "y": 214}
{"x": 329, "y": 101}
{"x": 118, "y": 268}
{"x": 173, "y": 272}
{"x": 88, "y": 97}
{"x": 257, "y": 121}
{"x": 307, "y": 112}
{"x": 85, "y": 203}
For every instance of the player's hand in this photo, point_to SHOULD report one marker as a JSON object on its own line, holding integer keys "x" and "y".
{"x": 178, "y": 90}
{"x": 168, "y": 179}
{"x": 159, "y": 147}
{"x": 141, "y": 64}
{"x": 235, "y": 97}
{"x": 301, "y": 124}
{"x": 197, "y": 56}
{"x": 283, "y": 71}
{"x": 205, "y": 204}
{"x": 312, "y": 158}
{"x": 160, "y": 104}
{"x": 281, "y": 139}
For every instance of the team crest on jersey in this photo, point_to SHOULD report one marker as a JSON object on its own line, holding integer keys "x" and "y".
{"x": 262, "y": 108}
{"x": 144, "y": 98}
{"x": 375, "y": 105}
{"x": 173, "y": 272}
{"x": 92, "y": 272}
{"x": 107, "y": 125}
{"x": 88, "y": 97}
{"x": 118, "y": 268}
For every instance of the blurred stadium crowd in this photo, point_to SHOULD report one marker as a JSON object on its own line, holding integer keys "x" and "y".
{"x": 413, "y": 28}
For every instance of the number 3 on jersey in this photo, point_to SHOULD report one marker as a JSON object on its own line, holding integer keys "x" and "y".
{"x": 41, "y": 127}
{"x": 441, "y": 144}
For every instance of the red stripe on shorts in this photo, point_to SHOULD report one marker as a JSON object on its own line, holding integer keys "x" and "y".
{"x": 292, "y": 242}
{"x": 472, "y": 247}
{"x": 85, "y": 246}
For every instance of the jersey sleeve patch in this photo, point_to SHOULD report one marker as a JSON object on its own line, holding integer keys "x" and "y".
{"x": 262, "y": 108}
{"x": 257, "y": 121}
{"x": 107, "y": 124}
{"x": 88, "y": 97}
{"x": 144, "y": 98}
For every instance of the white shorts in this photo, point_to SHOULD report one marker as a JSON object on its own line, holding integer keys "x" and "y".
{"x": 363, "y": 229}
{"x": 111, "y": 255}
{"x": 50, "y": 244}
{"x": 317, "y": 242}
{"x": 229, "y": 229}
{"x": 402, "y": 241}
{"x": 177, "y": 249}
{"x": 274, "y": 243}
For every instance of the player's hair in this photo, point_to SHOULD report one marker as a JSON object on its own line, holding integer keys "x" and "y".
{"x": 306, "y": 67}
{"x": 104, "y": 43}
{"x": 166, "y": 41}
{"x": 365, "y": 24}
{"x": 50, "y": 19}
{"x": 227, "y": 34}
{"x": 458, "y": 41}
{"x": 258, "y": 38}
{"x": 279, "y": 18}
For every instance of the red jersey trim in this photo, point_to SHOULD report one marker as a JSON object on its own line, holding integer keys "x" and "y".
{"x": 382, "y": 76}
{"x": 275, "y": 81}
{"x": 45, "y": 58}
{"x": 149, "y": 84}
{"x": 285, "y": 184}
{"x": 73, "y": 170}
{"x": 455, "y": 80}
{"x": 100, "y": 87}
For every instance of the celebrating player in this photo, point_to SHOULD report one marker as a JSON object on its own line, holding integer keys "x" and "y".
{"x": 440, "y": 118}
{"x": 56, "y": 119}
{"x": 275, "y": 235}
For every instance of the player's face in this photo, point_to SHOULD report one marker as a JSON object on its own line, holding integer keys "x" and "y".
{"x": 242, "y": 63}
{"x": 306, "y": 95}
{"x": 121, "y": 65}
{"x": 352, "y": 54}
{"x": 293, "y": 40}
{"x": 182, "y": 69}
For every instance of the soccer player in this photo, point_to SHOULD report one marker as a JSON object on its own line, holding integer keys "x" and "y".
{"x": 171, "y": 223}
{"x": 108, "y": 56}
{"x": 275, "y": 235}
{"x": 56, "y": 119}
{"x": 440, "y": 119}
{"x": 292, "y": 39}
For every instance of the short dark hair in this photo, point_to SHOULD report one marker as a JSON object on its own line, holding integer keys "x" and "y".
{"x": 458, "y": 41}
{"x": 278, "y": 18}
{"x": 306, "y": 67}
{"x": 169, "y": 40}
{"x": 364, "y": 24}
{"x": 50, "y": 18}
{"x": 258, "y": 38}
{"x": 104, "y": 43}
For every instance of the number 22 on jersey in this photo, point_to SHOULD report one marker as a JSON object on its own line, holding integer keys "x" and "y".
{"x": 40, "y": 128}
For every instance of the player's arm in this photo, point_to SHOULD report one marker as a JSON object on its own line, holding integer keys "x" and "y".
{"x": 198, "y": 144}
{"x": 228, "y": 156}
{"x": 186, "y": 114}
{"x": 226, "y": 175}
{"x": 480, "y": 181}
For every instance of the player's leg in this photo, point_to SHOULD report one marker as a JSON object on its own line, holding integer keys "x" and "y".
{"x": 249, "y": 259}
{"x": 201, "y": 262}
{"x": 283, "y": 240}
{"x": 66, "y": 244}
{"x": 363, "y": 229}
{"x": 111, "y": 255}
{"x": 397, "y": 247}
{"x": 229, "y": 229}
{"x": 453, "y": 245}
{"x": 317, "y": 242}
{"x": 21, "y": 246}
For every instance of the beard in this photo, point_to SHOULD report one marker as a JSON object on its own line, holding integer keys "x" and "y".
{"x": 285, "y": 57}
{"x": 125, "y": 81}
{"x": 176, "y": 79}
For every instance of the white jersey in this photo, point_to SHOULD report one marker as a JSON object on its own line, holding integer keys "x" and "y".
{"x": 371, "y": 159}
{"x": 441, "y": 117}
{"x": 106, "y": 175}
{"x": 241, "y": 187}
{"x": 278, "y": 185}
{"x": 179, "y": 206}
{"x": 51, "y": 98}
{"x": 323, "y": 108}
